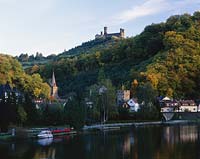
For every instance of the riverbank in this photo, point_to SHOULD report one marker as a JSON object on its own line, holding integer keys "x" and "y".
{"x": 21, "y": 133}
{"x": 32, "y": 132}
{"x": 137, "y": 124}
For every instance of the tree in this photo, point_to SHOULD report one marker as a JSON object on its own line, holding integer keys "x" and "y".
{"x": 22, "y": 115}
{"x": 93, "y": 110}
{"x": 4, "y": 120}
{"x": 134, "y": 86}
{"x": 107, "y": 99}
{"x": 30, "y": 109}
{"x": 147, "y": 97}
{"x": 74, "y": 113}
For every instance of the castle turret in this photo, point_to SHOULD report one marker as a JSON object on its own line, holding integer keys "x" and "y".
{"x": 54, "y": 88}
{"x": 105, "y": 30}
{"x": 122, "y": 34}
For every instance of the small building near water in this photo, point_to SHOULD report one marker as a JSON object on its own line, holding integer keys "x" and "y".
{"x": 168, "y": 105}
{"x": 123, "y": 96}
{"x": 132, "y": 104}
{"x": 187, "y": 106}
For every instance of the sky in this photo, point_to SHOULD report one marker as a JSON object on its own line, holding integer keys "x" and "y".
{"x": 51, "y": 26}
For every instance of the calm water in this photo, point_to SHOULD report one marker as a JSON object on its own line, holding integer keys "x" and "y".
{"x": 168, "y": 142}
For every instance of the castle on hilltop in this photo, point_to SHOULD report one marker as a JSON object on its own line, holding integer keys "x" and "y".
{"x": 121, "y": 34}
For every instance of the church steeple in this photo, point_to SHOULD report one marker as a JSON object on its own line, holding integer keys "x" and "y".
{"x": 53, "y": 80}
{"x": 54, "y": 88}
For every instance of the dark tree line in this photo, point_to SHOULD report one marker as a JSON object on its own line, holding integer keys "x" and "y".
{"x": 16, "y": 110}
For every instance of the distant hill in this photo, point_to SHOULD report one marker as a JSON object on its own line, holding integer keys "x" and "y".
{"x": 166, "y": 55}
{"x": 85, "y": 48}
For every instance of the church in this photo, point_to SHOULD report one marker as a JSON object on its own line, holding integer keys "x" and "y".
{"x": 54, "y": 88}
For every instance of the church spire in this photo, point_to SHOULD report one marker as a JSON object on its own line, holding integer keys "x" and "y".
{"x": 54, "y": 88}
{"x": 53, "y": 80}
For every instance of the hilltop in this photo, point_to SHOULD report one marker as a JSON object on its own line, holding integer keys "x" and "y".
{"x": 101, "y": 41}
{"x": 89, "y": 47}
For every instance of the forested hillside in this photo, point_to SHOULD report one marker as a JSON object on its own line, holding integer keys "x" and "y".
{"x": 167, "y": 55}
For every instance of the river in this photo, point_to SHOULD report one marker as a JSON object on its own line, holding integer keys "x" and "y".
{"x": 149, "y": 142}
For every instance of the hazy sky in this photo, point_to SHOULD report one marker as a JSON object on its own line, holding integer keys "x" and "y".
{"x": 50, "y": 26}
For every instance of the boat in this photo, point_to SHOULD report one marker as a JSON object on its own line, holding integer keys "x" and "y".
{"x": 60, "y": 130}
{"x": 45, "y": 134}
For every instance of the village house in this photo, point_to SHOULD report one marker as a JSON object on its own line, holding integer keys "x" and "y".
{"x": 123, "y": 96}
{"x": 168, "y": 105}
{"x": 187, "y": 106}
{"x": 6, "y": 90}
{"x": 132, "y": 105}
{"x": 124, "y": 100}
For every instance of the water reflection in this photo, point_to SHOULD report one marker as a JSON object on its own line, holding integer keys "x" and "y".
{"x": 181, "y": 134}
{"x": 45, "y": 141}
{"x": 48, "y": 153}
{"x": 127, "y": 143}
{"x": 189, "y": 133}
{"x": 157, "y": 142}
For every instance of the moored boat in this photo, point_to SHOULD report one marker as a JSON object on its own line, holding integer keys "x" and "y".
{"x": 45, "y": 134}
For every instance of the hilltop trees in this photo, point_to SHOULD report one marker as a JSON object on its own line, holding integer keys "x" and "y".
{"x": 24, "y": 57}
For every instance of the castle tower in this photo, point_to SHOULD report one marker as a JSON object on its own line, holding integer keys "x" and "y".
{"x": 122, "y": 34}
{"x": 54, "y": 88}
{"x": 105, "y": 30}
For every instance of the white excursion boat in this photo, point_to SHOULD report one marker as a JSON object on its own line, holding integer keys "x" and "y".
{"x": 45, "y": 134}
